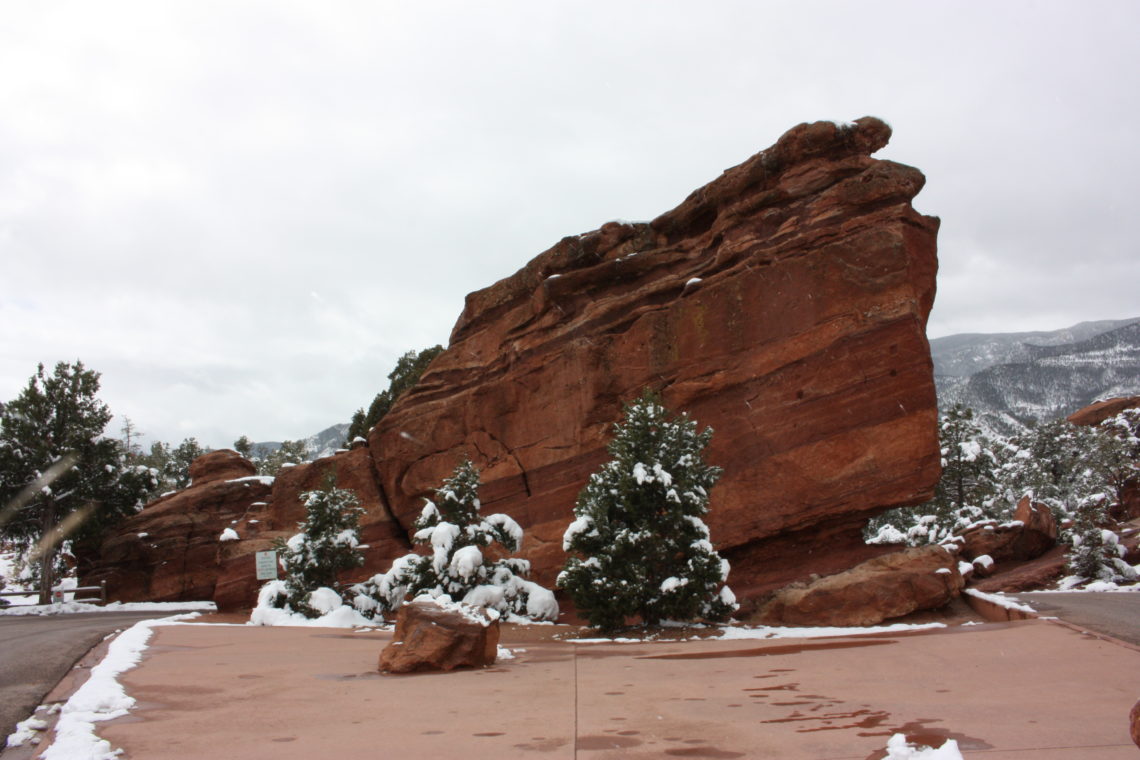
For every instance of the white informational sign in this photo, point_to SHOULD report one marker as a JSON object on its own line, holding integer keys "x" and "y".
{"x": 266, "y": 566}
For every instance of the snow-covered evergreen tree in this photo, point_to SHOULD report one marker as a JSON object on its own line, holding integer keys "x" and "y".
{"x": 327, "y": 544}
{"x": 643, "y": 548}
{"x": 1096, "y": 553}
{"x": 459, "y": 566}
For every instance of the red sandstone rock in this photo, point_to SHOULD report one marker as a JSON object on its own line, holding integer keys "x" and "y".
{"x": 224, "y": 464}
{"x": 1134, "y": 723}
{"x": 170, "y": 550}
{"x": 1031, "y": 533}
{"x": 1094, "y": 414}
{"x": 889, "y": 586}
{"x": 784, "y": 305}
{"x": 1028, "y": 576}
{"x": 433, "y": 637}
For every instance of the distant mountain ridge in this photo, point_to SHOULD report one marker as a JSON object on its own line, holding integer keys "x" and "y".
{"x": 1013, "y": 379}
{"x": 322, "y": 444}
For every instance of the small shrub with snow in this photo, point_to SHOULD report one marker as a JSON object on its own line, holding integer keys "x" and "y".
{"x": 643, "y": 549}
{"x": 459, "y": 566}
{"x": 1096, "y": 553}
{"x": 327, "y": 544}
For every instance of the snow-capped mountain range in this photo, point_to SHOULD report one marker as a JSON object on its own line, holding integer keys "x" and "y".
{"x": 1011, "y": 379}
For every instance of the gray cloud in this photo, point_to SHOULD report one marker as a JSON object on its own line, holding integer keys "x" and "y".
{"x": 178, "y": 180}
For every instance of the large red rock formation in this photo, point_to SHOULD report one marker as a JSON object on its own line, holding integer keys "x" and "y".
{"x": 783, "y": 304}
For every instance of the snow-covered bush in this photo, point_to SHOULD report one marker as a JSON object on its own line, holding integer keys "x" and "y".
{"x": 1096, "y": 553}
{"x": 327, "y": 544}
{"x": 459, "y": 566}
{"x": 644, "y": 549}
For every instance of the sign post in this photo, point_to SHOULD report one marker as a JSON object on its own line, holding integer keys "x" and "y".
{"x": 266, "y": 565}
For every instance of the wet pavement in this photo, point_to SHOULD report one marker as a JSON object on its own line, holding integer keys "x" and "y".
{"x": 1114, "y": 613}
{"x": 1003, "y": 691}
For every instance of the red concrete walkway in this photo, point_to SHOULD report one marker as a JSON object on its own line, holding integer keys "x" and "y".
{"x": 1011, "y": 691}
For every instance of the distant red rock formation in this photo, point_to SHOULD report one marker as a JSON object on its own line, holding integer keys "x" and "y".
{"x": 784, "y": 304}
{"x": 1096, "y": 413}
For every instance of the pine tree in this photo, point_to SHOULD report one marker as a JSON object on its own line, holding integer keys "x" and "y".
{"x": 645, "y": 550}
{"x": 327, "y": 544}
{"x": 401, "y": 379}
{"x": 1095, "y": 552}
{"x": 60, "y": 479}
{"x": 458, "y": 566}
{"x": 288, "y": 453}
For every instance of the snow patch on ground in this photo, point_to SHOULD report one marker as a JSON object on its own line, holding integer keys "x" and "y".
{"x": 102, "y": 697}
{"x": 336, "y": 613}
{"x": 899, "y": 749}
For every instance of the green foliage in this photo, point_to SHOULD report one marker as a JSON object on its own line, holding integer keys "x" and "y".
{"x": 458, "y": 566}
{"x": 244, "y": 446}
{"x": 172, "y": 465}
{"x": 406, "y": 374}
{"x": 60, "y": 479}
{"x": 290, "y": 453}
{"x": 1095, "y": 553}
{"x": 327, "y": 544}
{"x": 643, "y": 548}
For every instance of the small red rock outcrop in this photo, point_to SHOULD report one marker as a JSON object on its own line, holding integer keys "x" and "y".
{"x": 433, "y": 637}
{"x": 922, "y": 578}
{"x": 170, "y": 550}
{"x": 1134, "y": 723}
{"x": 224, "y": 464}
{"x": 1031, "y": 533}
{"x": 784, "y": 305}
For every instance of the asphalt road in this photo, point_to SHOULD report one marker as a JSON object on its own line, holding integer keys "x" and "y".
{"x": 1115, "y": 614}
{"x": 37, "y": 651}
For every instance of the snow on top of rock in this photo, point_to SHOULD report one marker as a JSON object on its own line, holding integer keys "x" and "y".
{"x": 229, "y": 534}
{"x": 1001, "y": 601}
{"x": 266, "y": 480}
{"x": 443, "y": 601}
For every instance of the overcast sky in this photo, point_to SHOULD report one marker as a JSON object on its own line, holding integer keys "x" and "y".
{"x": 241, "y": 213}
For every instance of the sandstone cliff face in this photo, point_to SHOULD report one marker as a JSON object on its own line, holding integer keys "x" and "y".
{"x": 784, "y": 304}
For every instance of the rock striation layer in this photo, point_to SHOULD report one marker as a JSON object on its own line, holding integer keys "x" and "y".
{"x": 784, "y": 304}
